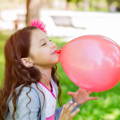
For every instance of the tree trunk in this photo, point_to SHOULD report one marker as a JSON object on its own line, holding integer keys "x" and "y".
{"x": 86, "y": 5}
{"x": 32, "y": 10}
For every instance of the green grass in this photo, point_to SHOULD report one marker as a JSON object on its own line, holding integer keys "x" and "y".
{"x": 106, "y": 108}
{"x": 3, "y": 38}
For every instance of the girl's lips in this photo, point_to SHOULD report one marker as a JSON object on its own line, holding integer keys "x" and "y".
{"x": 57, "y": 51}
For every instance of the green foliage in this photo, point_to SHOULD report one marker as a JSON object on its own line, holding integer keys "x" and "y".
{"x": 3, "y": 38}
{"x": 94, "y": 5}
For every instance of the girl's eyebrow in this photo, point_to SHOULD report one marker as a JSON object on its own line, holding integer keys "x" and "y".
{"x": 42, "y": 40}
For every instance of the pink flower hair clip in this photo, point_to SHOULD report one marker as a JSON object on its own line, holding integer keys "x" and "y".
{"x": 39, "y": 24}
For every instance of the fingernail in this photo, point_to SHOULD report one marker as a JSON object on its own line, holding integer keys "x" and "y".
{"x": 75, "y": 103}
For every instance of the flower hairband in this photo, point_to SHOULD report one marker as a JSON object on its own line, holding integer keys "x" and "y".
{"x": 38, "y": 24}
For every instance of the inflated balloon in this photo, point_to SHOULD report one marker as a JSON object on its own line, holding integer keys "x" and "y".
{"x": 92, "y": 62}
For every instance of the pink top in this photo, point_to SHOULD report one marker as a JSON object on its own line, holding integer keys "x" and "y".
{"x": 52, "y": 90}
{"x": 51, "y": 118}
{"x": 50, "y": 98}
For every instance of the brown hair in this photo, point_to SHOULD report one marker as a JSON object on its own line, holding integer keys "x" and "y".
{"x": 16, "y": 73}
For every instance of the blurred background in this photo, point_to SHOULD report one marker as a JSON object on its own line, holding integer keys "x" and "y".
{"x": 65, "y": 20}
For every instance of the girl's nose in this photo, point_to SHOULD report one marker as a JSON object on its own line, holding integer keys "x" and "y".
{"x": 53, "y": 45}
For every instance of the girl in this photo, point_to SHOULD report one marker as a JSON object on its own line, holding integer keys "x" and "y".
{"x": 31, "y": 86}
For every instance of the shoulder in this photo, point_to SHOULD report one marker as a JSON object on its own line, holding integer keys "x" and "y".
{"x": 28, "y": 98}
{"x": 28, "y": 91}
{"x": 26, "y": 95}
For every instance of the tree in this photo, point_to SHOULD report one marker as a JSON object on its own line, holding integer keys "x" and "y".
{"x": 117, "y": 5}
{"x": 32, "y": 10}
{"x": 86, "y": 5}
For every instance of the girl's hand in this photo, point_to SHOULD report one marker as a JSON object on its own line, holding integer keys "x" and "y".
{"x": 66, "y": 113}
{"x": 81, "y": 96}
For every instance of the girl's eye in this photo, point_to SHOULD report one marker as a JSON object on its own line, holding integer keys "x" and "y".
{"x": 43, "y": 44}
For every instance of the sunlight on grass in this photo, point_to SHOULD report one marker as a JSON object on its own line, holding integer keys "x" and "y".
{"x": 113, "y": 115}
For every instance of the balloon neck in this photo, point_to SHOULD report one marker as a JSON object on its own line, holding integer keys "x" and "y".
{"x": 58, "y": 51}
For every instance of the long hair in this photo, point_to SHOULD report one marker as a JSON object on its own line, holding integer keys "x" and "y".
{"x": 16, "y": 73}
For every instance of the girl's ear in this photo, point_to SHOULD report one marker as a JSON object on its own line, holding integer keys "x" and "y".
{"x": 27, "y": 62}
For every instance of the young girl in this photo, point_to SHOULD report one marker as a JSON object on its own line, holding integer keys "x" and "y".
{"x": 31, "y": 87}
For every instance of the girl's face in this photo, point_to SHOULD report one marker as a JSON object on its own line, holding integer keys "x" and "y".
{"x": 42, "y": 50}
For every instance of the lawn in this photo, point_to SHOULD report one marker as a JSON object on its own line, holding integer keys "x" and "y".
{"x": 106, "y": 108}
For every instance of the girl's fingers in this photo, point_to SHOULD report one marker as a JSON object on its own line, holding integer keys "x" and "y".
{"x": 72, "y": 106}
{"x": 71, "y": 93}
{"x": 66, "y": 106}
{"x": 75, "y": 112}
{"x": 92, "y": 98}
{"x": 89, "y": 92}
{"x": 66, "y": 113}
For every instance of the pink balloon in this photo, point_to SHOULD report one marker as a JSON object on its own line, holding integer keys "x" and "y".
{"x": 92, "y": 62}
